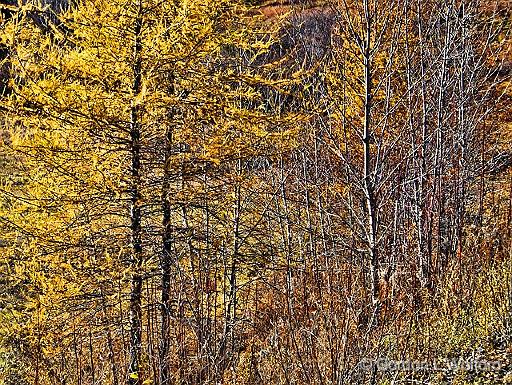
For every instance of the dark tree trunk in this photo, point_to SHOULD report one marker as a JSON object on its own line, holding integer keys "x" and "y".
{"x": 134, "y": 377}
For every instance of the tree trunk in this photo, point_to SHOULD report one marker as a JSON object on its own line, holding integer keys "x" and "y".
{"x": 369, "y": 193}
{"x": 165, "y": 267}
{"x": 134, "y": 377}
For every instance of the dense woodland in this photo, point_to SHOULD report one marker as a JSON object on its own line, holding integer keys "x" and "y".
{"x": 236, "y": 192}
